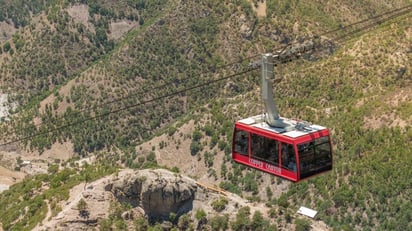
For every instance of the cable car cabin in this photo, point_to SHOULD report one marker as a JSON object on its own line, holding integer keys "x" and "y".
{"x": 295, "y": 154}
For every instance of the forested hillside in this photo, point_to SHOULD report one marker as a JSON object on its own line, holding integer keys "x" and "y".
{"x": 113, "y": 78}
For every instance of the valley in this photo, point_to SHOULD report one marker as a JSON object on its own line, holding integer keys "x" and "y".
{"x": 102, "y": 91}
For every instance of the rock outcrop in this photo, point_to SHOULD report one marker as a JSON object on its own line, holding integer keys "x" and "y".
{"x": 158, "y": 192}
{"x": 153, "y": 193}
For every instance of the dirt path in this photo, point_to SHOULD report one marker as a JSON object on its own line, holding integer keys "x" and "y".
{"x": 8, "y": 177}
{"x": 75, "y": 195}
{"x": 98, "y": 203}
{"x": 260, "y": 8}
{"x": 49, "y": 212}
{"x": 3, "y": 108}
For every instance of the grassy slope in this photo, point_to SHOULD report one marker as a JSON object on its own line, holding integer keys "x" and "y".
{"x": 157, "y": 54}
{"x": 370, "y": 182}
{"x": 357, "y": 85}
{"x": 362, "y": 94}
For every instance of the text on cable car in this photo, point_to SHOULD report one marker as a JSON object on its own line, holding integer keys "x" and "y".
{"x": 257, "y": 163}
{"x": 272, "y": 168}
{"x": 267, "y": 166}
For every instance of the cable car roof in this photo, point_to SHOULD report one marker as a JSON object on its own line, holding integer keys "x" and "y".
{"x": 299, "y": 128}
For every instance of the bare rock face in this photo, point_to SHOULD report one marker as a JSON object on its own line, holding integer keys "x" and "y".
{"x": 158, "y": 192}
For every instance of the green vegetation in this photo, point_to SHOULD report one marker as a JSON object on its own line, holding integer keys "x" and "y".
{"x": 302, "y": 225}
{"x": 28, "y": 198}
{"x": 200, "y": 214}
{"x": 220, "y": 204}
{"x": 18, "y": 12}
{"x": 362, "y": 93}
{"x": 219, "y": 222}
{"x": 115, "y": 220}
{"x": 244, "y": 222}
{"x": 83, "y": 209}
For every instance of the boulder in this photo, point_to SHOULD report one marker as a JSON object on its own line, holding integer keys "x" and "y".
{"x": 158, "y": 192}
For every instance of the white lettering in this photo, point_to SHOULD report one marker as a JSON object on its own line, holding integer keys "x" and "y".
{"x": 272, "y": 168}
{"x": 256, "y": 163}
{"x": 261, "y": 164}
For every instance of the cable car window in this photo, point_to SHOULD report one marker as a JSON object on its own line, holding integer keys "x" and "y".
{"x": 241, "y": 142}
{"x": 322, "y": 140}
{"x": 265, "y": 149}
{"x": 315, "y": 157}
{"x": 288, "y": 157}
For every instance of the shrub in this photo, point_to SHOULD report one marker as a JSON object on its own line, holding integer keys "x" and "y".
{"x": 219, "y": 222}
{"x": 242, "y": 221}
{"x": 220, "y": 204}
{"x": 195, "y": 148}
{"x": 302, "y": 224}
{"x": 200, "y": 214}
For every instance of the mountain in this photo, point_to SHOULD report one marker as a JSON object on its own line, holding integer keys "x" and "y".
{"x": 129, "y": 84}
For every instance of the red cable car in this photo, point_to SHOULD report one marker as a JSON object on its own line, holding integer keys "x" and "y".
{"x": 294, "y": 155}
{"x": 283, "y": 147}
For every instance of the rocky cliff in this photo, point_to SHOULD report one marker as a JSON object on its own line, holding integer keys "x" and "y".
{"x": 152, "y": 194}
{"x": 158, "y": 192}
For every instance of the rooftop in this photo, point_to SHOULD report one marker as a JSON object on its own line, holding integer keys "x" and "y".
{"x": 297, "y": 129}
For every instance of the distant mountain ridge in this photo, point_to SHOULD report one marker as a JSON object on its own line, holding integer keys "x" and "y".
{"x": 69, "y": 65}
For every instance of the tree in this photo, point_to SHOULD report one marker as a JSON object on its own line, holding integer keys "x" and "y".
{"x": 141, "y": 223}
{"x": 283, "y": 201}
{"x": 82, "y": 207}
{"x": 6, "y": 47}
{"x": 101, "y": 35}
{"x": 197, "y": 135}
{"x": 184, "y": 222}
{"x": 242, "y": 221}
{"x": 140, "y": 4}
{"x": 53, "y": 169}
{"x": 269, "y": 193}
{"x": 220, "y": 204}
{"x": 302, "y": 224}
{"x": 219, "y": 222}
{"x": 195, "y": 147}
{"x": 250, "y": 183}
{"x": 258, "y": 222}
{"x": 201, "y": 216}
